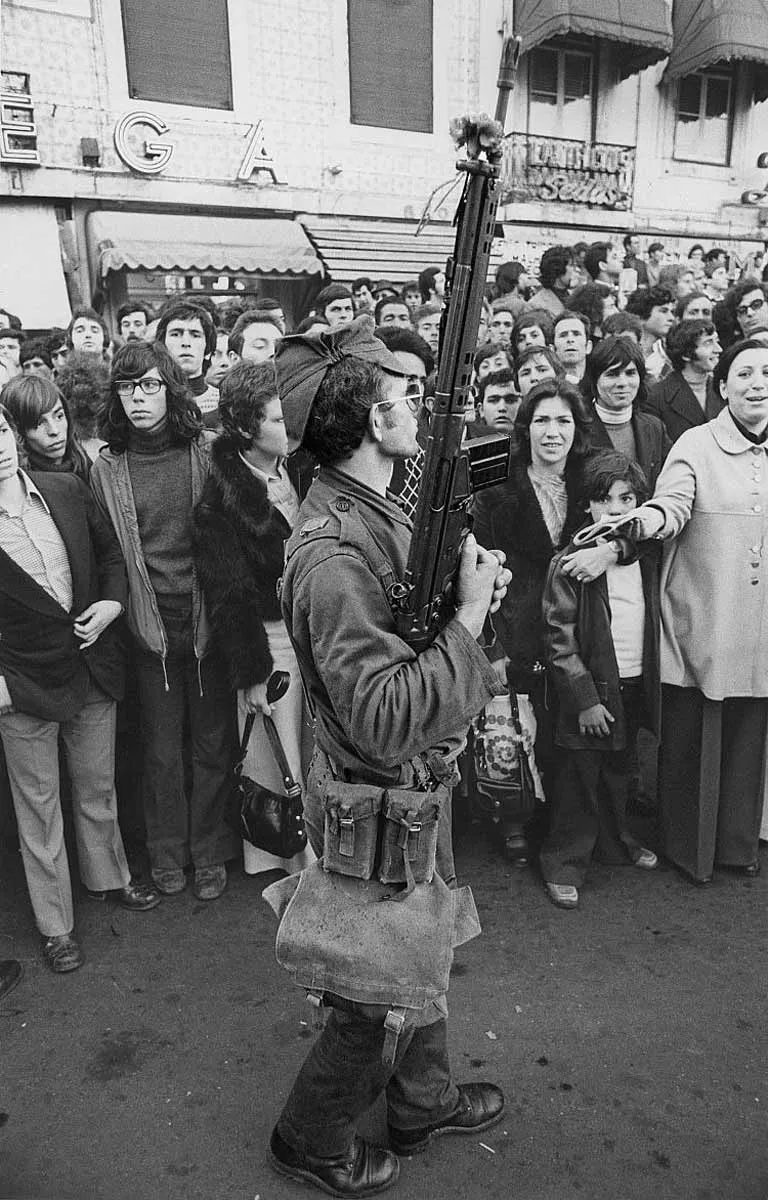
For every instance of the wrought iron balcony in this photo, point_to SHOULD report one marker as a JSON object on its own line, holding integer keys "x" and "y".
{"x": 563, "y": 171}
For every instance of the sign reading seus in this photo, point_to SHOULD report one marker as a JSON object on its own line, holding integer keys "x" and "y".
{"x": 567, "y": 172}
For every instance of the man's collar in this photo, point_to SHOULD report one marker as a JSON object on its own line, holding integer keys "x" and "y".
{"x": 354, "y": 487}
{"x": 30, "y": 490}
{"x": 278, "y": 473}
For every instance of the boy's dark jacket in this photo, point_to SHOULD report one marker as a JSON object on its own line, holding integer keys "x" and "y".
{"x": 46, "y": 671}
{"x": 238, "y": 538}
{"x": 580, "y": 656}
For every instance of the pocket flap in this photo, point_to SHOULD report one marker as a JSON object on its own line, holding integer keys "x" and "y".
{"x": 278, "y": 895}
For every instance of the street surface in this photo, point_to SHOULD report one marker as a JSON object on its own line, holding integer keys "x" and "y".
{"x": 629, "y": 1037}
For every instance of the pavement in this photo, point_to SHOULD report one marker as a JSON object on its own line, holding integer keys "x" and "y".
{"x": 629, "y": 1037}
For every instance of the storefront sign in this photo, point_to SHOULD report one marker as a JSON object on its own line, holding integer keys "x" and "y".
{"x": 153, "y": 157}
{"x": 557, "y": 170}
{"x": 257, "y": 156}
{"x": 18, "y": 131}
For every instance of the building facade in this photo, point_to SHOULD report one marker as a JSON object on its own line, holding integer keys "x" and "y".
{"x": 268, "y": 145}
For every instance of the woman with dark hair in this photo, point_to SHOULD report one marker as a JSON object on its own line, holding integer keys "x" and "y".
{"x": 148, "y": 481}
{"x": 531, "y": 516}
{"x": 613, "y": 387}
{"x": 247, "y": 511}
{"x": 42, "y": 417}
{"x": 710, "y": 508}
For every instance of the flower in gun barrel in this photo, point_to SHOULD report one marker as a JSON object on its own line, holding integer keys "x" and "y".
{"x": 476, "y": 131}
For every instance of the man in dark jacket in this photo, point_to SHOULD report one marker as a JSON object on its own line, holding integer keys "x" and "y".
{"x": 686, "y": 397}
{"x": 62, "y": 585}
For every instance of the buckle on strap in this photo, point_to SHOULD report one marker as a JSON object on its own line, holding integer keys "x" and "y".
{"x": 316, "y": 1000}
{"x": 394, "y": 1023}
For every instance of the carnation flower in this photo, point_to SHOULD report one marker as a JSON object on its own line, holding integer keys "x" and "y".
{"x": 476, "y": 131}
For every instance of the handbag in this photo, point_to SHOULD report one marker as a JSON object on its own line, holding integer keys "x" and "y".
{"x": 264, "y": 818}
{"x": 505, "y": 783}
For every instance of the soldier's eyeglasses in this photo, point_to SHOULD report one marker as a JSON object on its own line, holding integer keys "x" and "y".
{"x": 413, "y": 398}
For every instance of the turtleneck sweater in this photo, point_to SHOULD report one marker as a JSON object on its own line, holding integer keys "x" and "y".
{"x": 618, "y": 426}
{"x": 161, "y": 479}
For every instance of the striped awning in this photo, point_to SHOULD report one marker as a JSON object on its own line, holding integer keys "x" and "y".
{"x": 707, "y": 32}
{"x": 641, "y": 29}
{"x": 180, "y": 242}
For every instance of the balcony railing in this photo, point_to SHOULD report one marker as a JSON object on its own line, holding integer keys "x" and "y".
{"x": 562, "y": 171}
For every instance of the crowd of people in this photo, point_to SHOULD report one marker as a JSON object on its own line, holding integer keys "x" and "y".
{"x": 148, "y": 487}
{"x": 205, "y": 498}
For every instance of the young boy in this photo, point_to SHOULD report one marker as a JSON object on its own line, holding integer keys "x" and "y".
{"x": 602, "y": 643}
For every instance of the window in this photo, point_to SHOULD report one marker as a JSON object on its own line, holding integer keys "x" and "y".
{"x": 561, "y": 91}
{"x": 177, "y": 52}
{"x": 704, "y": 118}
{"x": 390, "y": 63}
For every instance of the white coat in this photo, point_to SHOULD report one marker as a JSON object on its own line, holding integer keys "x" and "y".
{"x": 713, "y": 491}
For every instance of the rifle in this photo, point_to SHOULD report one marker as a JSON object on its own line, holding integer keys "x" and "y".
{"x": 453, "y": 471}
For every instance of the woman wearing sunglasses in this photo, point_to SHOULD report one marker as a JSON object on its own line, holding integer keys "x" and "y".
{"x": 148, "y": 481}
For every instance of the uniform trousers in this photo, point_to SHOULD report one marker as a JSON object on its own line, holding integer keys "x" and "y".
{"x": 31, "y": 747}
{"x": 343, "y": 1074}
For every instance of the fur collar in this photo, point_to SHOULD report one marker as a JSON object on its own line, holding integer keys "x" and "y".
{"x": 243, "y": 495}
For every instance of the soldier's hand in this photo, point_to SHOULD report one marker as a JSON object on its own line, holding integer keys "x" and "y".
{"x": 481, "y": 585}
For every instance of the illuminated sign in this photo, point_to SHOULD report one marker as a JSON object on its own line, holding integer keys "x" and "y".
{"x": 150, "y": 157}
{"x": 257, "y": 157}
{"x": 18, "y": 131}
{"x": 155, "y": 156}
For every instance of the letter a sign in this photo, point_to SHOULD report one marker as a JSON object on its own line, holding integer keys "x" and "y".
{"x": 257, "y": 157}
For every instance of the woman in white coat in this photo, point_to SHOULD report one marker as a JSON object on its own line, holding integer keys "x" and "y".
{"x": 711, "y": 508}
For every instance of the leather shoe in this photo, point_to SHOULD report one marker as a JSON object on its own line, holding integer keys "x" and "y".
{"x": 62, "y": 953}
{"x": 480, "y": 1106}
{"x": 169, "y": 880}
{"x": 210, "y": 882}
{"x": 363, "y": 1171}
{"x": 136, "y": 897}
{"x": 564, "y": 895}
{"x": 516, "y": 850}
{"x": 11, "y": 971}
{"x": 749, "y": 870}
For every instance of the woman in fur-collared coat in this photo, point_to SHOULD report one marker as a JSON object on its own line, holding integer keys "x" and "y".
{"x": 246, "y": 512}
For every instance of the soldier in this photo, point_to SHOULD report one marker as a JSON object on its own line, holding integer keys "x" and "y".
{"x": 380, "y": 712}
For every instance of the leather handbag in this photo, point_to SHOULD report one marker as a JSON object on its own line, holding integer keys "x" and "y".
{"x": 504, "y": 781}
{"x": 266, "y": 819}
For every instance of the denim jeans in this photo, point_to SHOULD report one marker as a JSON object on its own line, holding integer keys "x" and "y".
{"x": 198, "y": 704}
{"x": 589, "y": 804}
{"x": 343, "y": 1075}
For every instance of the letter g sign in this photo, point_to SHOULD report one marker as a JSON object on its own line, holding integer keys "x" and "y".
{"x": 157, "y": 155}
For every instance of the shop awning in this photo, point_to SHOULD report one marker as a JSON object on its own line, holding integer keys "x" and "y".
{"x": 352, "y": 246}
{"x": 31, "y": 274}
{"x": 165, "y": 241}
{"x": 720, "y": 31}
{"x": 642, "y": 28}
